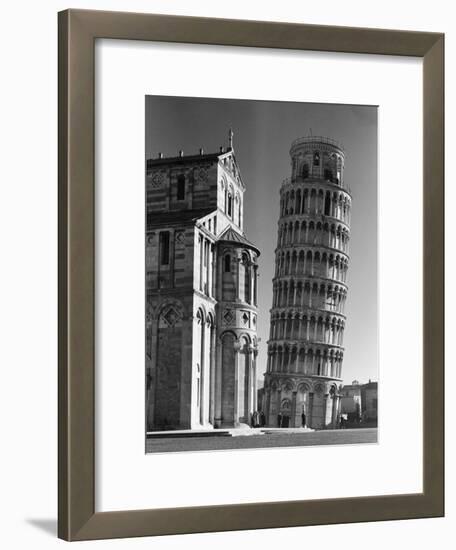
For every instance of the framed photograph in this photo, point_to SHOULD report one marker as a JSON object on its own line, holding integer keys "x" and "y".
{"x": 250, "y": 274}
{"x": 224, "y": 370}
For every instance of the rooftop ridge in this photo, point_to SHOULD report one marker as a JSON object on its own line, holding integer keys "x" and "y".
{"x": 232, "y": 235}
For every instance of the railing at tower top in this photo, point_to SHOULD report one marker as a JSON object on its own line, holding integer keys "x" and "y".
{"x": 315, "y": 179}
{"x": 317, "y": 139}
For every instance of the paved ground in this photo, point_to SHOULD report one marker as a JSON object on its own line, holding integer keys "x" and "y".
{"x": 325, "y": 437}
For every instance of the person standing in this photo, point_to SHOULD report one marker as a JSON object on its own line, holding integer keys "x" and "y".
{"x": 255, "y": 419}
{"x": 262, "y": 419}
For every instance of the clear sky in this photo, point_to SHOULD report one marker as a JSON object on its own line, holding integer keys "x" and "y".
{"x": 263, "y": 132}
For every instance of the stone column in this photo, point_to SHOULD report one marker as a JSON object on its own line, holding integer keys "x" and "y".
{"x": 236, "y": 384}
{"x": 211, "y": 285}
{"x": 218, "y": 386}
{"x": 279, "y": 402}
{"x": 251, "y": 299}
{"x": 238, "y": 286}
{"x": 201, "y": 252}
{"x": 334, "y": 411}
{"x": 267, "y": 411}
{"x": 325, "y": 408}
{"x": 248, "y": 399}
{"x": 212, "y": 376}
{"x": 254, "y": 381}
{"x": 203, "y": 374}
{"x": 293, "y": 410}
{"x": 289, "y": 360}
{"x": 310, "y": 411}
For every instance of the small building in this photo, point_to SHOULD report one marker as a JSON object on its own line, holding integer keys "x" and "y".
{"x": 359, "y": 402}
{"x": 351, "y": 401}
{"x": 369, "y": 400}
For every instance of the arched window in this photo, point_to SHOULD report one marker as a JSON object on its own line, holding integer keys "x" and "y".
{"x": 245, "y": 279}
{"x": 305, "y": 171}
{"x": 328, "y": 174}
{"x": 230, "y": 205}
{"x": 181, "y": 188}
{"x": 327, "y": 204}
{"x": 164, "y": 247}
{"x": 227, "y": 267}
{"x": 316, "y": 159}
{"x": 298, "y": 202}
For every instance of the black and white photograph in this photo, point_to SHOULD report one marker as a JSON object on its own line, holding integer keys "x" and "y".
{"x": 261, "y": 274}
{"x": 224, "y": 259}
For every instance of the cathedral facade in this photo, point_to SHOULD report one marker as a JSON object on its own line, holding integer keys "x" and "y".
{"x": 201, "y": 287}
{"x": 305, "y": 346}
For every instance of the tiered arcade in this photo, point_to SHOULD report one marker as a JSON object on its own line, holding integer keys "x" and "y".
{"x": 305, "y": 347}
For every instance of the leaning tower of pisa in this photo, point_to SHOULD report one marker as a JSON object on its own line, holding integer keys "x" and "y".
{"x": 305, "y": 347}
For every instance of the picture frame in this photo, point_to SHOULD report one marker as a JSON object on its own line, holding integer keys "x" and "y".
{"x": 78, "y": 30}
